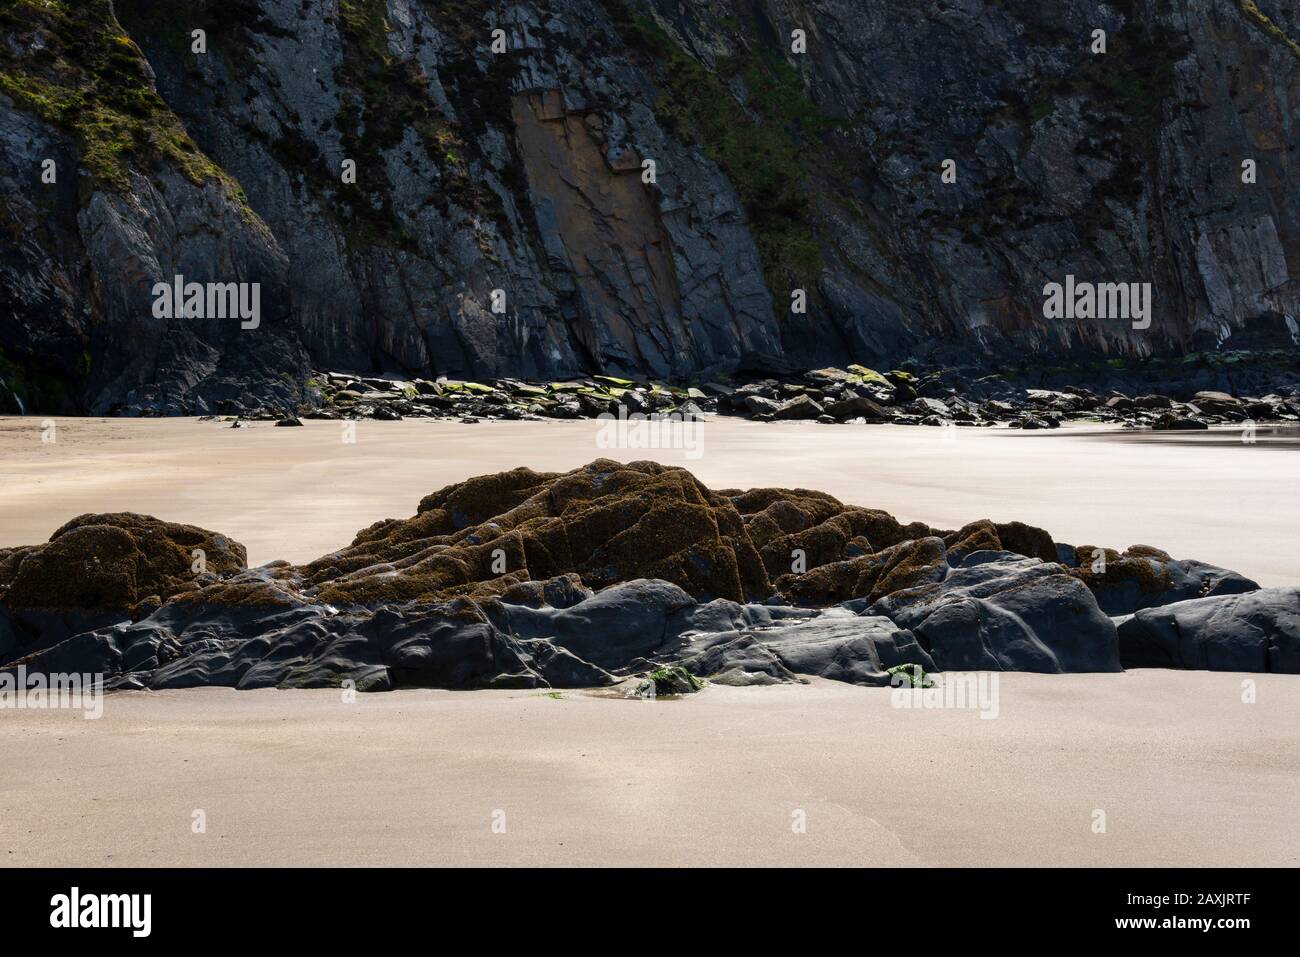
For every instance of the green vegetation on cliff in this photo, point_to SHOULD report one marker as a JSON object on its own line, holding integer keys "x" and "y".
{"x": 80, "y": 71}
{"x": 1265, "y": 23}
{"x": 39, "y": 389}
{"x": 765, "y": 146}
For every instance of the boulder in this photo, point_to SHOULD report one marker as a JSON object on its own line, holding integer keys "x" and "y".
{"x": 1258, "y": 631}
{"x": 759, "y": 405}
{"x": 856, "y": 407}
{"x": 929, "y": 406}
{"x": 1176, "y": 422}
{"x": 1003, "y": 612}
{"x": 114, "y": 561}
{"x": 859, "y": 649}
{"x": 1218, "y": 403}
{"x": 800, "y": 407}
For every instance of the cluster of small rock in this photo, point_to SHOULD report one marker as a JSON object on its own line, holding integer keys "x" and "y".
{"x": 342, "y": 396}
{"x": 858, "y": 394}
{"x": 852, "y": 395}
{"x": 612, "y": 571}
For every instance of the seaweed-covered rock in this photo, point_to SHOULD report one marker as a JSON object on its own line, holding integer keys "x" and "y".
{"x": 909, "y": 564}
{"x": 672, "y": 680}
{"x": 606, "y": 522}
{"x": 1017, "y": 537}
{"x": 114, "y": 561}
{"x": 1146, "y": 577}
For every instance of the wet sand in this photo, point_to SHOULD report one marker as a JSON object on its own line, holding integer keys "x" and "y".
{"x": 301, "y": 493}
{"x": 1184, "y": 771}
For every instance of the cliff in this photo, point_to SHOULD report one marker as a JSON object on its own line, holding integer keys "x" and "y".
{"x": 503, "y": 220}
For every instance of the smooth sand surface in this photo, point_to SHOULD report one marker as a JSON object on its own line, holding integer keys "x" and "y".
{"x": 301, "y": 493}
{"x": 1184, "y": 772}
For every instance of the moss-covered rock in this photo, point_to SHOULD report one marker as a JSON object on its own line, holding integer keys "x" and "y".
{"x": 606, "y": 522}
{"x": 674, "y": 680}
{"x": 909, "y": 564}
{"x": 116, "y": 561}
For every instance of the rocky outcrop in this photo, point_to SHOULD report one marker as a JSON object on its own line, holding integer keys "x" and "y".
{"x": 412, "y": 199}
{"x": 829, "y": 396}
{"x": 582, "y": 579}
{"x": 102, "y": 568}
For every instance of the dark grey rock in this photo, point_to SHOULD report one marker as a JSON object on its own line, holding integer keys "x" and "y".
{"x": 800, "y": 407}
{"x": 857, "y": 407}
{"x": 1257, "y": 632}
{"x": 844, "y": 646}
{"x": 758, "y": 405}
{"x": 1175, "y": 422}
{"x": 1000, "y": 611}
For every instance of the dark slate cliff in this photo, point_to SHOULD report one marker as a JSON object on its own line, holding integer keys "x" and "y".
{"x": 521, "y": 172}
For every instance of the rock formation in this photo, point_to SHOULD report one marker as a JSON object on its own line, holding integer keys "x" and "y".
{"x": 580, "y": 579}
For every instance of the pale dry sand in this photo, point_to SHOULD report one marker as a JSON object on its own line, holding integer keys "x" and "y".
{"x": 298, "y": 494}
{"x": 1184, "y": 771}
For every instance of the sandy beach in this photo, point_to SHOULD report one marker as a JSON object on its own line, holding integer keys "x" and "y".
{"x": 300, "y": 493}
{"x": 1184, "y": 771}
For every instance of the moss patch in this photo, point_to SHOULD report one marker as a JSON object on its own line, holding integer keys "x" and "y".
{"x": 81, "y": 72}
{"x": 909, "y": 676}
{"x": 1265, "y": 23}
{"x": 386, "y": 96}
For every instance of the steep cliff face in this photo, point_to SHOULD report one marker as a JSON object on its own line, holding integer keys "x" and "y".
{"x": 104, "y": 196}
{"x": 630, "y": 186}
